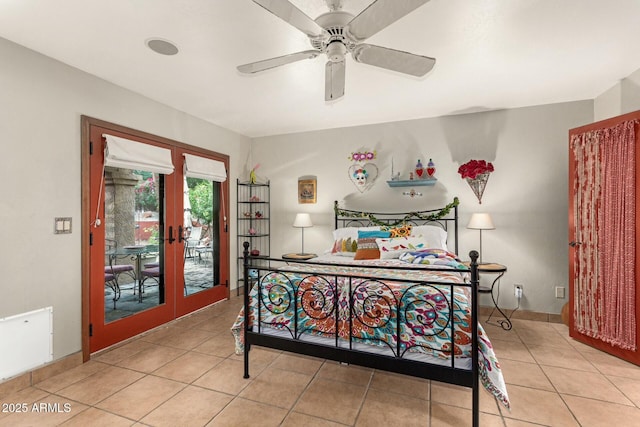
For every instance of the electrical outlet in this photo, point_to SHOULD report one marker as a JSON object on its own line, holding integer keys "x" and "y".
{"x": 560, "y": 292}
{"x": 518, "y": 291}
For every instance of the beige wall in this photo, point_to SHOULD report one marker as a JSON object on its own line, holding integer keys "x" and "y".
{"x": 526, "y": 195}
{"x": 622, "y": 98}
{"x": 42, "y": 101}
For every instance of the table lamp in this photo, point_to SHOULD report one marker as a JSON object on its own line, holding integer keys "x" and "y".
{"x": 481, "y": 221}
{"x": 303, "y": 220}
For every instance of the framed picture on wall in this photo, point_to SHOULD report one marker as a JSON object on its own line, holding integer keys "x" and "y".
{"x": 307, "y": 191}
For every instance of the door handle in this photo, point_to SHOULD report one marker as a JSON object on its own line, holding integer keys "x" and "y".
{"x": 171, "y": 238}
{"x": 574, "y": 244}
{"x": 180, "y": 234}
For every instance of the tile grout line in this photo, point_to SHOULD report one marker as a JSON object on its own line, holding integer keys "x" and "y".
{"x": 313, "y": 377}
{"x": 221, "y": 317}
{"x": 364, "y": 396}
{"x": 564, "y": 402}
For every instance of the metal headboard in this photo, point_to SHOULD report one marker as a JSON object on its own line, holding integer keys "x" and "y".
{"x": 446, "y": 217}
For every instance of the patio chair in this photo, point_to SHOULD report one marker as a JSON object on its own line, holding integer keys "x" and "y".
{"x": 205, "y": 251}
{"x": 148, "y": 273}
{"x": 192, "y": 241}
{"x": 111, "y": 282}
{"x": 113, "y": 267}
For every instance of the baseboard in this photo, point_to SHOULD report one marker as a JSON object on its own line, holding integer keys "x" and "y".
{"x": 523, "y": 315}
{"x": 34, "y": 376}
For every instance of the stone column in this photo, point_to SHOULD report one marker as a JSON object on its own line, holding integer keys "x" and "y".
{"x": 120, "y": 205}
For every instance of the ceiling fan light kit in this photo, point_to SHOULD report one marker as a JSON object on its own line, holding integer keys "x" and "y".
{"x": 337, "y": 33}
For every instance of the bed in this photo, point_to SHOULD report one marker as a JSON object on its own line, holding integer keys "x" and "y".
{"x": 388, "y": 295}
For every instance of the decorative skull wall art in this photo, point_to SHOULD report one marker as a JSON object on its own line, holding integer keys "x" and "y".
{"x": 362, "y": 174}
{"x": 361, "y": 177}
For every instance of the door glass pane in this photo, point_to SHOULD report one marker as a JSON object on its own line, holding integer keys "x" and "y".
{"x": 201, "y": 254}
{"x": 134, "y": 273}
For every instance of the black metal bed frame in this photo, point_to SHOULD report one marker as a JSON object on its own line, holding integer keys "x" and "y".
{"x": 258, "y": 272}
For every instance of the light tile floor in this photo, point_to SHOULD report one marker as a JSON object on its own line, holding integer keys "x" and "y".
{"x": 186, "y": 374}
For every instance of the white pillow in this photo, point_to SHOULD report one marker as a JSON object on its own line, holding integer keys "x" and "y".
{"x": 343, "y": 234}
{"x": 434, "y": 235}
{"x": 393, "y": 247}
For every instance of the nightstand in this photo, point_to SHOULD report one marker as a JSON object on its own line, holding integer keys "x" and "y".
{"x": 498, "y": 270}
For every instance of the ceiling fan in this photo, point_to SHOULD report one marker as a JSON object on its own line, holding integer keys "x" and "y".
{"x": 337, "y": 33}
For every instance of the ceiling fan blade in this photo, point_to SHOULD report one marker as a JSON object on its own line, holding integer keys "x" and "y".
{"x": 334, "y": 80}
{"x": 285, "y": 10}
{"x": 379, "y": 15}
{"x": 391, "y": 59}
{"x": 266, "y": 64}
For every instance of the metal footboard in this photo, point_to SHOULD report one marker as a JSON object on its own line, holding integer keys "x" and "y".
{"x": 343, "y": 317}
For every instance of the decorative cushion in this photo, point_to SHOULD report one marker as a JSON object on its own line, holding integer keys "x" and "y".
{"x": 401, "y": 231}
{"x": 433, "y": 257}
{"x": 341, "y": 233}
{"x": 346, "y": 246}
{"x": 341, "y": 236}
{"x": 393, "y": 247}
{"x": 367, "y": 246}
{"x": 436, "y": 236}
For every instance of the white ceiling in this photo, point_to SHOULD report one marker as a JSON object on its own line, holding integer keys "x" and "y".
{"x": 491, "y": 54}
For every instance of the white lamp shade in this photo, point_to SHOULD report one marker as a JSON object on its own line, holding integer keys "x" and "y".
{"x": 302, "y": 220}
{"x": 481, "y": 221}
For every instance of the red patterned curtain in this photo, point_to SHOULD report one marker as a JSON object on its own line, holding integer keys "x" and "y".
{"x": 604, "y": 206}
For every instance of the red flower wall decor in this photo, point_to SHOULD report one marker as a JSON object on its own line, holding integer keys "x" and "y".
{"x": 473, "y": 168}
{"x": 476, "y": 173}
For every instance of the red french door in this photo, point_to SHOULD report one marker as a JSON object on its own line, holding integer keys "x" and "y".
{"x": 202, "y": 258}
{"x": 143, "y": 264}
{"x": 604, "y": 302}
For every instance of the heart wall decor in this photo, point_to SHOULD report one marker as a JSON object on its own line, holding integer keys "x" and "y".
{"x": 363, "y": 175}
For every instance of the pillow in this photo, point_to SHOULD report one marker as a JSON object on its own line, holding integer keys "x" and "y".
{"x": 340, "y": 235}
{"x": 401, "y": 231}
{"x": 433, "y": 257}
{"x": 367, "y": 247}
{"x": 394, "y": 246}
{"x": 346, "y": 246}
{"x": 436, "y": 236}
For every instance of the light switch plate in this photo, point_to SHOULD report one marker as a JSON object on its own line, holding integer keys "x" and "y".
{"x": 62, "y": 225}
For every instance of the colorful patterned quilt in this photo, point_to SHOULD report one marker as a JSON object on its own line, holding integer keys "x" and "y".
{"x": 406, "y": 313}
